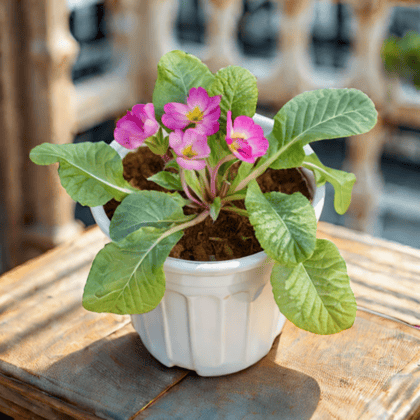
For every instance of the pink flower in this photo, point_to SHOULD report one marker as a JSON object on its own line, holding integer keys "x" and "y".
{"x": 135, "y": 127}
{"x": 245, "y": 139}
{"x": 191, "y": 148}
{"x": 201, "y": 110}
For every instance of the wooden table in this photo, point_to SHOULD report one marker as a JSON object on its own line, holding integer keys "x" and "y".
{"x": 58, "y": 361}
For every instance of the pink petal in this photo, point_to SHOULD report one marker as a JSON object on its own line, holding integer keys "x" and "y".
{"x": 191, "y": 163}
{"x": 149, "y": 110}
{"x": 198, "y": 141}
{"x": 208, "y": 127}
{"x": 229, "y": 124}
{"x": 243, "y": 124}
{"x": 150, "y": 127}
{"x": 213, "y": 104}
{"x": 198, "y": 97}
{"x": 175, "y": 141}
{"x": 259, "y": 145}
{"x": 175, "y": 115}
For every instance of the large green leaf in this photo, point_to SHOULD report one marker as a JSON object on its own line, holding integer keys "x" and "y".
{"x": 342, "y": 181}
{"x": 178, "y": 72}
{"x": 238, "y": 88}
{"x": 315, "y": 295}
{"x": 323, "y": 114}
{"x": 91, "y": 173}
{"x": 167, "y": 180}
{"x": 292, "y": 157}
{"x": 128, "y": 277}
{"x": 285, "y": 225}
{"x": 145, "y": 208}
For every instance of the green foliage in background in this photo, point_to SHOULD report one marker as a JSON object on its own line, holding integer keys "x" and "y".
{"x": 401, "y": 57}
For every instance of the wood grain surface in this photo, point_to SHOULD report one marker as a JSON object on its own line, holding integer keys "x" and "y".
{"x": 59, "y": 361}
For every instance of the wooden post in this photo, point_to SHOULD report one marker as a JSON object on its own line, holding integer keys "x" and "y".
{"x": 142, "y": 32}
{"x": 364, "y": 151}
{"x": 10, "y": 124}
{"x": 368, "y": 72}
{"x": 363, "y": 155}
{"x": 222, "y": 31}
{"x": 293, "y": 74}
{"x": 50, "y": 52}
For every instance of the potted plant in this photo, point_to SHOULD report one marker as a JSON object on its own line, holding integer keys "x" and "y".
{"x": 216, "y": 317}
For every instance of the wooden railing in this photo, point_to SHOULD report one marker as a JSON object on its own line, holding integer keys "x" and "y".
{"x": 40, "y": 103}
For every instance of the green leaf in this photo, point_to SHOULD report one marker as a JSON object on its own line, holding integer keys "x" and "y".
{"x": 215, "y": 208}
{"x": 244, "y": 170}
{"x": 342, "y": 181}
{"x": 167, "y": 180}
{"x": 128, "y": 277}
{"x": 315, "y": 295}
{"x": 145, "y": 208}
{"x": 238, "y": 88}
{"x": 285, "y": 225}
{"x": 159, "y": 143}
{"x": 193, "y": 182}
{"x": 323, "y": 114}
{"x": 91, "y": 173}
{"x": 292, "y": 157}
{"x": 172, "y": 164}
{"x": 219, "y": 148}
{"x": 178, "y": 72}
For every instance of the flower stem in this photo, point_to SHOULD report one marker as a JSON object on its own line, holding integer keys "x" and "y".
{"x": 242, "y": 212}
{"x": 167, "y": 156}
{"x": 213, "y": 173}
{"x": 261, "y": 169}
{"x": 203, "y": 176}
{"x": 233, "y": 198}
{"x": 186, "y": 189}
{"x": 186, "y": 225}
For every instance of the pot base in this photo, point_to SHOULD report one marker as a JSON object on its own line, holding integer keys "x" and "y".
{"x": 211, "y": 334}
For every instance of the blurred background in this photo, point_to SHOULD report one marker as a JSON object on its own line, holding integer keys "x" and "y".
{"x": 70, "y": 68}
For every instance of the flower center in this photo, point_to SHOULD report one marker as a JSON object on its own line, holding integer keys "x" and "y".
{"x": 235, "y": 145}
{"x": 195, "y": 115}
{"x": 188, "y": 152}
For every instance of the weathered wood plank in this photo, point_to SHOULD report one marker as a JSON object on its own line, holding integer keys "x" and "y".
{"x": 385, "y": 276}
{"x": 21, "y": 401}
{"x": 370, "y": 371}
{"x": 48, "y": 341}
{"x": 10, "y": 127}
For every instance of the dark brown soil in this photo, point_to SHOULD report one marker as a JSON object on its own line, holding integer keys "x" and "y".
{"x": 231, "y": 235}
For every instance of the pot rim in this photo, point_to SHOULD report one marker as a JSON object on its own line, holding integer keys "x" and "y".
{"x": 213, "y": 268}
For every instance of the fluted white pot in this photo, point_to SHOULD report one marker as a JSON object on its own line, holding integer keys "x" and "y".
{"x": 216, "y": 317}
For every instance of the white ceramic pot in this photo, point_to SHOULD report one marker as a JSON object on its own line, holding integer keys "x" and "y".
{"x": 216, "y": 317}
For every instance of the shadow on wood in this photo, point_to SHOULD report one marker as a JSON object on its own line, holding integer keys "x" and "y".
{"x": 114, "y": 377}
{"x": 265, "y": 390}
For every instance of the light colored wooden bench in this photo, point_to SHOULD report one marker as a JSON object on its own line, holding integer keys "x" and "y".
{"x": 58, "y": 361}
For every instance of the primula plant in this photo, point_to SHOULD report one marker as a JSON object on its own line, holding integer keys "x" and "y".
{"x": 201, "y": 123}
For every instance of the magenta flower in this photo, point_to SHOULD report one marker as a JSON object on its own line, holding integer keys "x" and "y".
{"x": 245, "y": 138}
{"x": 135, "y": 127}
{"x": 201, "y": 110}
{"x": 191, "y": 148}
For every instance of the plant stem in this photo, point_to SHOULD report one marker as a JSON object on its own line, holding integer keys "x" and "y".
{"x": 186, "y": 225}
{"x": 242, "y": 212}
{"x": 260, "y": 170}
{"x": 213, "y": 173}
{"x": 233, "y": 198}
{"x": 203, "y": 175}
{"x": 167, "y": 156}
{"x": 186, "y": 189}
